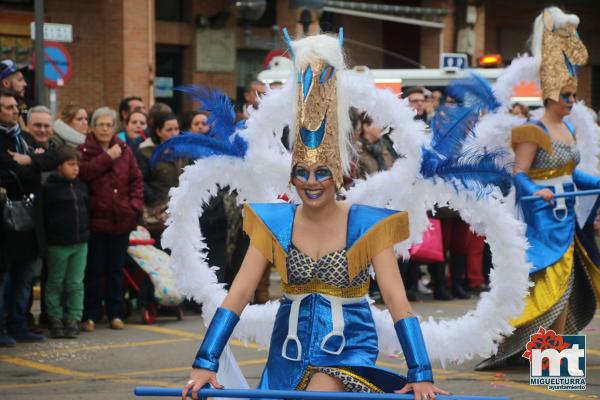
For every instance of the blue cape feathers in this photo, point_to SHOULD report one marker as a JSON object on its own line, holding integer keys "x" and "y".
{"x": 222, "y": 138}
{"x": 477, "y": 171}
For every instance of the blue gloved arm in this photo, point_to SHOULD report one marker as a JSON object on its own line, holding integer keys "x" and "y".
{"x": 524, "y": 184}
{"x": 217, "y": 335}
{"x": 413, "y": 346}
{"x": 585, "y": 181}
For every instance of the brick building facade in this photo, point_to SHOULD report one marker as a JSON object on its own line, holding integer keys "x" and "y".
{"x": 121, "y": 46}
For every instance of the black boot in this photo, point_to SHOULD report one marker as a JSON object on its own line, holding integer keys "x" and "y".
{"x": 71, "y": 328}
{"x": 56, "y": 328}
{"x": 458, "y": 265}
{"x": 438, "y": 278}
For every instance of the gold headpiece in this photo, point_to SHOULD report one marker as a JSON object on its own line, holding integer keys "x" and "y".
{"x": 317, "y": 141}
{"x": 562, "y": 51}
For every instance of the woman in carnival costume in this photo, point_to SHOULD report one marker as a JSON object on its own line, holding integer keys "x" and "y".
{"x": 324, "y": 336}
{"x": 564, "y": 267}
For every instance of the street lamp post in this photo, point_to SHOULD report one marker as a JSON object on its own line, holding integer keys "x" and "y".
{"x": 40, "y": 95}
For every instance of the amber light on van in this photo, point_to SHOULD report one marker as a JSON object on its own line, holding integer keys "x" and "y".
{"x": 490, "y": 60}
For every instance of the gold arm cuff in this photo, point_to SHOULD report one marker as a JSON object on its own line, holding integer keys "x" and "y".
{"x": 318, "y": 286}
{"x": 262, "y": 238}
{"x": 549, "y": 173}
{"x": 532, "y": 133}
{"x": 384, "y": 234}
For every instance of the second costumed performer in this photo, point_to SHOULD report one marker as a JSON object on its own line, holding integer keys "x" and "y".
{"x": 324, "y": 337}
{"x": 565, "y": 265}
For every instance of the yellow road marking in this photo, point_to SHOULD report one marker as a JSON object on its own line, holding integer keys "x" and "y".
{"x": 593, "y": 352}
{"x": 53, "y": 369}
{"x": 33, "y": 385}
{"x": 46, "y": 367}
{"x": 191, "y": 335}
{"x": 243, "y": 363}
{"x": 101, "y": 347}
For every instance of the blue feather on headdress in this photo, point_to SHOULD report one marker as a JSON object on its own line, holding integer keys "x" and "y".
{"x": 475, "y": 92}
{"x": 477, "y": 171}
{"x": 222, "y": 139}
{"x": 222, "y": 115}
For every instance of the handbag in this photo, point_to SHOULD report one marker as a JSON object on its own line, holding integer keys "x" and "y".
{"x": 17, "y": 215}
{"x": 431, "y": 249}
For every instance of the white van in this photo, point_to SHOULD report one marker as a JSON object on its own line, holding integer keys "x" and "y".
{"x": 432, "y": 79}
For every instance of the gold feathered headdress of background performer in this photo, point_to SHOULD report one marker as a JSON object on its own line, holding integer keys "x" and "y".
{"x": 559, "y": 50}
{"x": 322, "y": 128}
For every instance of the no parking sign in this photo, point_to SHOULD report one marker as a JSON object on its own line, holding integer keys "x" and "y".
{"x": 57, "y": 65}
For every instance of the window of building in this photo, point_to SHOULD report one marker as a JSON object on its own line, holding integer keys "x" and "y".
{"x": 169, "y": 10}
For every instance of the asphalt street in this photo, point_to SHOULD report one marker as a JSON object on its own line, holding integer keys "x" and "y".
{"x": 108, "y": 364}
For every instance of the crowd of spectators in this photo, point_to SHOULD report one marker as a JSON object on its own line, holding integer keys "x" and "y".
{"x": 89, "y": 182}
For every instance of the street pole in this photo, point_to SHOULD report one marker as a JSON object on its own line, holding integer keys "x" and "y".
{"x": 40, "y": 97}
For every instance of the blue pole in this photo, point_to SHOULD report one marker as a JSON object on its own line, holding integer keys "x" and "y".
{"x": 294, "y": 394}
{"x": 567, "y": 194}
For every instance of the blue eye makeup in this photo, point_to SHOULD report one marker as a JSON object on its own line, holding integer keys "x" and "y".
{"x": 566, "y": 97}
{"x": 301, "y": 173}
{"x": 321, "y": 174}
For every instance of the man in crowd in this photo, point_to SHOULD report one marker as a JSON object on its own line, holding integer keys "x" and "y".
{"x": 12, "y": 79}
{"x": 127, "y": 105}
{"x": 39, "y": 124}
{"x": 20, "y": 172}
{"x": 254, "y": 91}
{"x": 416, "y": 101}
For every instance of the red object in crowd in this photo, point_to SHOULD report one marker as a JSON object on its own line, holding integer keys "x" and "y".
{"x": 116, "y": 187}
{"x": 431, "y": 249}
{"x": 272, "y": 54}
{"x": 458, "y": 238}
{"x": 284, "y": 197}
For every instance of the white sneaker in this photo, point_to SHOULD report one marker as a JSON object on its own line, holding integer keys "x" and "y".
{"x": 421, "y": 288}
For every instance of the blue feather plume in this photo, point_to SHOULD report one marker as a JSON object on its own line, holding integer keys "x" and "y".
{"x": 222, "y": 139}
{"x": 475, "y": 92}
{"x": 475, "y": 171}
{"x": 222, "y": 115}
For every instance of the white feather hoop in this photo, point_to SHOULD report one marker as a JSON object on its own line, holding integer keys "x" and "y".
{"x": 264, "y": 174}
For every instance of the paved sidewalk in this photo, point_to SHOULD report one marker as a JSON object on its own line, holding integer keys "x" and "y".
{"x": 108, "y": 364}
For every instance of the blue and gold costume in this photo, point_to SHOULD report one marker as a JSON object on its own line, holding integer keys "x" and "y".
{"x": 564, "y": 265}
{"x": 324, "y": 322}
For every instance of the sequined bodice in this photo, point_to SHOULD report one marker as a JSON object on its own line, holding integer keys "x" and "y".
{"x": 331, "y": 269}
{"x": 562, "y": 155}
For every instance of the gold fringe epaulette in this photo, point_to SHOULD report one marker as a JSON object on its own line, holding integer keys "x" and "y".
{"x": 532, "y": 133}
{"x": 384, "y": 234}
{"x": 264, "y": 240}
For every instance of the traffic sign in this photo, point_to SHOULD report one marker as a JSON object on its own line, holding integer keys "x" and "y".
{"x": 453, "y": 61}
{"x": 55, "y": 32}
{"x": 57, "y": 65}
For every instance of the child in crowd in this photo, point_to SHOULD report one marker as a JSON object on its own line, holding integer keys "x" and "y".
{"x": 66, "y": 223}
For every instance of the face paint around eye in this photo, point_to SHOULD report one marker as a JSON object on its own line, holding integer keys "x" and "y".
{"x": 323, "y": 174}
{"x": 566, "y": 97}
{"x": 301, "y": 173}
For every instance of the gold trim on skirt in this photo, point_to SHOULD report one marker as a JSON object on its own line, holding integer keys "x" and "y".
{"x": 549, "y": 286}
